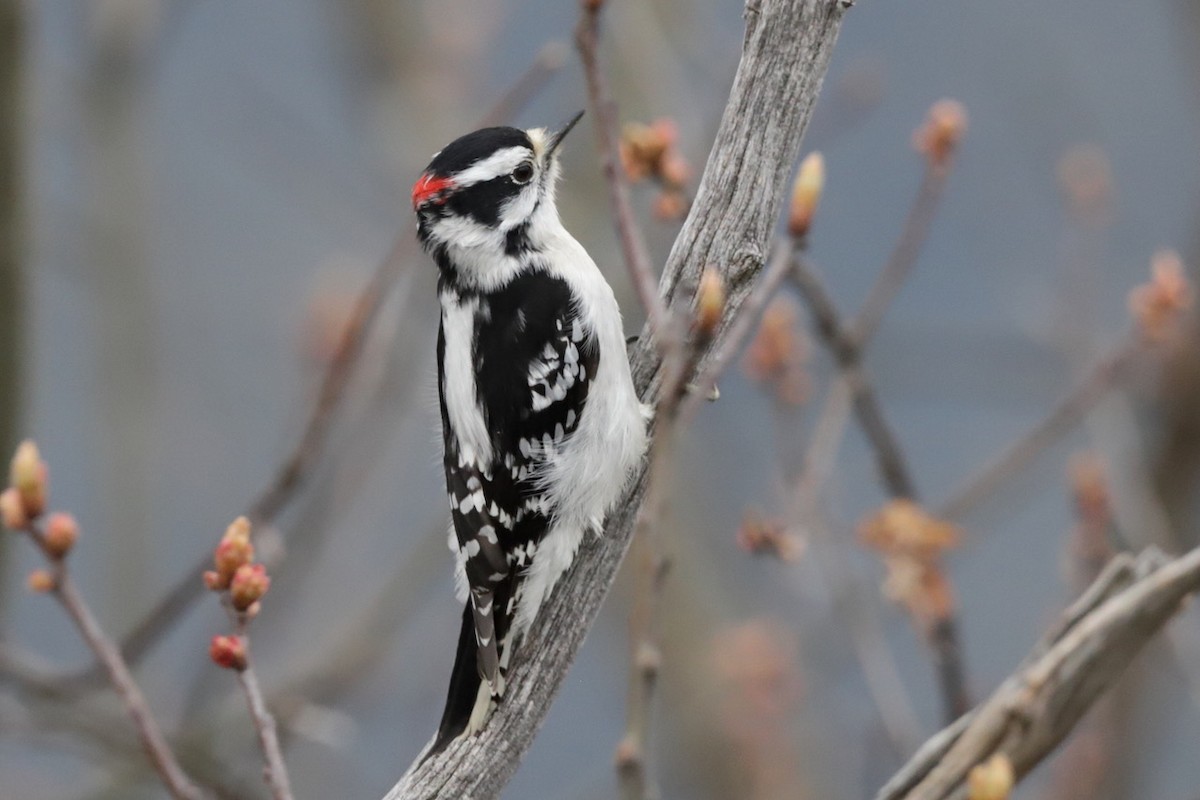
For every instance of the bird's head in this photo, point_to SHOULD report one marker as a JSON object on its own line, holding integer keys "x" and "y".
{"x": 487, "y": 186}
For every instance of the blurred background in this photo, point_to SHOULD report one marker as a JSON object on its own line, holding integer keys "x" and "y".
{"x": 192, "y": 195}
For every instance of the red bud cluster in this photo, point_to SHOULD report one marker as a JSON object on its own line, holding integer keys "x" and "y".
{"x": 243, "y": 584}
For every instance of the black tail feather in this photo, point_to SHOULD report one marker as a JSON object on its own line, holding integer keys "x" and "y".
{"x": 464, "y": 687}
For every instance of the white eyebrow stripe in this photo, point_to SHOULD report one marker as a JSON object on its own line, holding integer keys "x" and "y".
{"x": 498, "y": 163}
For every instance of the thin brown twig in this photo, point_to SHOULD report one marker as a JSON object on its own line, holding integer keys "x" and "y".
{"x": 109, "y": 656}
{"x": 275, "y": 771}
{"x": 681, "y": 357}
{"x": 1102, "y": 376}
{"x": 290, "y": 476}
{"x": 847, "y": 352}
{"x": 633, "y": 245}
{"x": 679, "y": 362}
{"x": 850, "y": 594}
{"x": 904, "y": 256}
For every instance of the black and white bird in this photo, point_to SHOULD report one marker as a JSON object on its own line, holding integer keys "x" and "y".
{"x": 541, "y": 423}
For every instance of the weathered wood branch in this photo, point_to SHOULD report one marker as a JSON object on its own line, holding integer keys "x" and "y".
{"x": 1036, "y": 707}
{"x": 786, "y": 52}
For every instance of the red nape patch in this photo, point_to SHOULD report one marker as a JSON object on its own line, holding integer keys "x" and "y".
{"x": 427, "y": 188}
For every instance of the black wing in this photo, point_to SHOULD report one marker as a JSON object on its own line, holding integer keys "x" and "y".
{"x": 534, "y": 363}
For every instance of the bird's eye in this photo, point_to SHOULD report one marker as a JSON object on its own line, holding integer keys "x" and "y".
{"x": 522, "y": 173}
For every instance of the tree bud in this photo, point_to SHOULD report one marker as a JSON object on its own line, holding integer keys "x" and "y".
{"x": 28, "y": 475}
{"x": 12, "y": 510}
{"x": 62, "y": 531}
{"x": 806, "y": 195}
{"x": 228, "y": 652}
{"x": 249, "y": 583}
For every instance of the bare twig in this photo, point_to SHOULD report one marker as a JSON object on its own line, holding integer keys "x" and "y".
{"x": 786, "y": 53}
{"x": 680, "y": 358}
{"x": 847, "y": 352}
{"x": 275, "y": 769}
{"x": 849, "y": 592}
{"x": 633, "y": 245}
{"x": 1106, "y": 372}
{"x": 904, "y": 256}
{"x": 295, "y": 469}
{"x": 1035, "y": 708}
{"x": 1085, "y": 766}
{"x": 645, "y": 652}
{"x": 109, "y": 656}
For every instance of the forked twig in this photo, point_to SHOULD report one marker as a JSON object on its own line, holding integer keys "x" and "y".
{"x": 847, "y": 352}
{"x": 154, "y": 743}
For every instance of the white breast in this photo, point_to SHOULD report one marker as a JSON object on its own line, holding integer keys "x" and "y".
{"x": 584, "y": 478}
{"x": 458, "y": 380}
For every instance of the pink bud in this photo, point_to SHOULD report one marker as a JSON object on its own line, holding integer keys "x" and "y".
{"x": 12, "y": 510}
{"x": 62, "y": 531}
{"x": 41, "y": 581}
{"x": 233, "y": 551}
{"x": 228, "y": 652}
{"x": 249, "y": 583}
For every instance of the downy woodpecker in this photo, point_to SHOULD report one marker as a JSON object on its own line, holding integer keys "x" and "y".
{"x": 540, "y": 420}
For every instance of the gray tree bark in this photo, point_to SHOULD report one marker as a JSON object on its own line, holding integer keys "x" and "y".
{"x": 785, "y": 55}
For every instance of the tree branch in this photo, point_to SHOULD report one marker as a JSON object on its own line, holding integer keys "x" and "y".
{"x": 275, "y": 770}
{"x": 153, "y": 742}
{"x": 840, "y": 341}
{"x": 786, "y": 52}
{"x": 1036, "y": 707}
{"x": 846, "y": 348}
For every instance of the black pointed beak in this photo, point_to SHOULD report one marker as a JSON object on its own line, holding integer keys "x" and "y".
{"x": 557, "y": 136}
